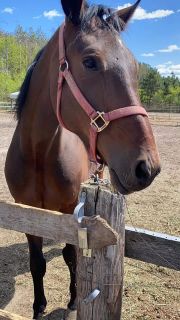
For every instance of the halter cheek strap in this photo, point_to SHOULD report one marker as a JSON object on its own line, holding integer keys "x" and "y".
{"x": 98, "y": 120}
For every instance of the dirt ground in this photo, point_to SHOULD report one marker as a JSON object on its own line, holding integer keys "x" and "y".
{"x": 150, "y": 292}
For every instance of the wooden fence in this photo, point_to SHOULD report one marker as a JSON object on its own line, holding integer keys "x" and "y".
{"x": 99, "y": 260}
{"x": 163, "y": 108}
{"x": 5, "y": 315}
{"x": 165, "y": 119}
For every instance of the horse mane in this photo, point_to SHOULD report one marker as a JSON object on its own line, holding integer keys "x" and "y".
{"x": 94, "y": 15}
{"x": 102, "y": 17}
{"x": 25, "y": 86}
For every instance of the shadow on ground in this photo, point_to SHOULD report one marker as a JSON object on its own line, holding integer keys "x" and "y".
{"x": 60, "y": 314}
{"x": 14, "y": 261}
{"x": 55, "y": 314}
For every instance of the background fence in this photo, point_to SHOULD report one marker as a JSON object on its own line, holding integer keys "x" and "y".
{"x": 163, "y": 109}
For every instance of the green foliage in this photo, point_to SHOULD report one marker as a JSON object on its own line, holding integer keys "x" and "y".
{"x": 16, "y": 53}
{"x": 156, "y": 90}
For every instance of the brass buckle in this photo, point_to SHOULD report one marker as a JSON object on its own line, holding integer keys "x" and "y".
{"x": 100, "y": 116}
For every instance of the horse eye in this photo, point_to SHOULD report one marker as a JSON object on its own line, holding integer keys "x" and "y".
{"x": 90, "y": 63}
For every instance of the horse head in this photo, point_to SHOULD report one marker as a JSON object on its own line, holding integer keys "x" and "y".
{"x": 107, "y": 74}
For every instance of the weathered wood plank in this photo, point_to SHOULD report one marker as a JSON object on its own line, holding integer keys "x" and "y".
{"x": 55, "y": 225}
{"x": 5, "y": 315}
{"x": 104, "y": 270}
{"x": 152, "y": 247}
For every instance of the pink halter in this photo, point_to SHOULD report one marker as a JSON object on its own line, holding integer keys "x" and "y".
{"x": 94, "y": 116}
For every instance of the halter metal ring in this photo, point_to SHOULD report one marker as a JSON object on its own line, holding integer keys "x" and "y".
{"x": 64, "y": 66}
{"x": 100, "y": 116}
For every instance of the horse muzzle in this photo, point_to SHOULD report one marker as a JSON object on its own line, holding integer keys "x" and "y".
{"x": 137, "y": 179}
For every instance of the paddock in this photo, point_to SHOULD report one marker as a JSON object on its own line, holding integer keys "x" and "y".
{"x": 150, "y": 292}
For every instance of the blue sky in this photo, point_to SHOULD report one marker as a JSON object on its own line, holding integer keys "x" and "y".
{"x": 153, "y": 35}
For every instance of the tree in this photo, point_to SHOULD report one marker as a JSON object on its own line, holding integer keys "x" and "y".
{"x": 157, "y": 90}
{"x": 16, "y": 53}
{"x": 149, "y": 83}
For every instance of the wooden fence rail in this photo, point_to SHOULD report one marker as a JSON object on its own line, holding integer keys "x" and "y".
{"x": 5, "y": 315}
{"x": 55, "y": 225}
{"x": 151, "y": 247}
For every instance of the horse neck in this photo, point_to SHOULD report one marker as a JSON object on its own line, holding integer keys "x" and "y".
{"x": 38, "y": 121}
{"x": 40, "y": 131}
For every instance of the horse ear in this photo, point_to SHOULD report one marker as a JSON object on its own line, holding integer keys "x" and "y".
{"x": 125, "y": 14}
{"x": 73, "y": 9}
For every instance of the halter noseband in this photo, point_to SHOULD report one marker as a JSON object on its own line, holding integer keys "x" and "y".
{"x": 94, "y": 116}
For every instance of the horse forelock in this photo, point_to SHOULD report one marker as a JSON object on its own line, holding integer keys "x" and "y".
{"x": 101, "y": 16}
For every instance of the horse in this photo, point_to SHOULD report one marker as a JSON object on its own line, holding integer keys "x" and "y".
{"x": 79, "y": 102}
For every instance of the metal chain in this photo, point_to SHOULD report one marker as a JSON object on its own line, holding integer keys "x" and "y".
{"x": 95, "y": 180}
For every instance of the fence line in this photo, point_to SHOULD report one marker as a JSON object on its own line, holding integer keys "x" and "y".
{"x": 163, "y": 109}
{"x": 100, "y": 269}
{"x": 147, "y": 246}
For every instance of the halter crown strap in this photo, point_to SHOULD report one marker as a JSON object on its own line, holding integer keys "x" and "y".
{"x": 95, "y": 116}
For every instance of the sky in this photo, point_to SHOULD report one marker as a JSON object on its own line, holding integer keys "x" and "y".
{"x": 153, "y": 35}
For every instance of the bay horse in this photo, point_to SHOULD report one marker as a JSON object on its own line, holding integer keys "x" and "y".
{"x": 80, "y": 94}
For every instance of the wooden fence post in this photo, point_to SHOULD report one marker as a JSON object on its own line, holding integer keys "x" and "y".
{"x": 104, "y": 270}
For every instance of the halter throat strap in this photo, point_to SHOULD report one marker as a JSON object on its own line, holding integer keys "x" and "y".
{"x": 98, "y": 120}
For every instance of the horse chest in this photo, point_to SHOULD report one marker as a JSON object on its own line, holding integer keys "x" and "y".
{"x": 51, "y": 183}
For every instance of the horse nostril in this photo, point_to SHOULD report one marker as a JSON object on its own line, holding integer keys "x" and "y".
{"x": 143, "y": 172}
